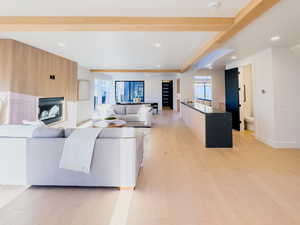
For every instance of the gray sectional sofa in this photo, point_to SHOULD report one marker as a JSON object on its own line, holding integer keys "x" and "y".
{"x": 34, "y": 159}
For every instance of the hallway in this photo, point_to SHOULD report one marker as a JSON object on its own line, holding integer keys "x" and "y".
{"x": 181, "y": 183}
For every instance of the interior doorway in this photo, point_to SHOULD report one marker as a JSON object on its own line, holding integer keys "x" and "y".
{"x": 167, "y": 94}
{"x": 233, "y": 96}
{"x": 178, "y": 95}
{"x": 247, "y": 115}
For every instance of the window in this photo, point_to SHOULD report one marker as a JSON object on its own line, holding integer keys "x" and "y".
{"x": 203, "y": 88}
{"x": 129, "y": 91}
{"x": 102, "y": 92}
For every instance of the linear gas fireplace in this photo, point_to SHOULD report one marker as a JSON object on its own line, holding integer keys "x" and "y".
{"x": 50, "y": 110}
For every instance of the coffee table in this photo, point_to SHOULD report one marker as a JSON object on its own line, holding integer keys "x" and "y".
{"x": 138, "y": 124}
{"x": 134, "y": 124}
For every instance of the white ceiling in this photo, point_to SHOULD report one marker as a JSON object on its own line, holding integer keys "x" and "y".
{"x": 282, "y": 20}
{"x": 135, "y": 50}
{"x": 186, "y": 8}
{"x": 119, "y": 50}
{"x": 137, "y": 76}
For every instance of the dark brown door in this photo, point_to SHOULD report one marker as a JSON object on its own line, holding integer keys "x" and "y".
{"x": 167, "y": 94}
{"x": 233, "y": 96}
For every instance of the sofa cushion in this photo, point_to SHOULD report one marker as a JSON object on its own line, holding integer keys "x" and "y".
{"x": 125, "y": 132}
{"x": 131, "y": 117}
{"x": 103, "y": 111}
{"x": 133, "y": 109}
{"x": 25, "y": 131}
{"x": 119, "y": 109}
{"x": 48, "y": 132}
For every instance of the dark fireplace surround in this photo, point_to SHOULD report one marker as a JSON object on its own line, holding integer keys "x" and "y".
{"x": 51, "y": 110}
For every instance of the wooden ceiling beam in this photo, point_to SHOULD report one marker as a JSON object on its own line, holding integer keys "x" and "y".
{"x": 79, "y": 23}
{"x": 135, "y": 70}
{"x": 244, "y": 17}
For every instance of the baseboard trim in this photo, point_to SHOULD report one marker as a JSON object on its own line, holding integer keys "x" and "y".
{"x": 279, "y": 144}
{"x": 125, "y": 188}
{"x": 286, "y": 144}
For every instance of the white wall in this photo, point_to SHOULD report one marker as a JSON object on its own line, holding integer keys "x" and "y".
{"x": 218, "y": 84}
{"x": 276, "y": 73}
{"x": 186, "y": 86}
{"x": 85, "y": 107}
{"x": 80, "y": 111}
{"x": 247, "y": 82}
{"x": 153, "y": 85}
{"x": 286, "y": 71}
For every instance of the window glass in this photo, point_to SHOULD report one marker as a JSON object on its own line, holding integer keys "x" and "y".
{"x": 129, "y": 91}
{"x": 203, "y": 88}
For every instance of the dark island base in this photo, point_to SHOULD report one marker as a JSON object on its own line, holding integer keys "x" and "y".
{"x": 218, "y": 130}
{"x": 217, "y": 126}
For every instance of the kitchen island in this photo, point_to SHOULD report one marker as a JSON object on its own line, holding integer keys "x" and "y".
{"x": 211, "y": 126}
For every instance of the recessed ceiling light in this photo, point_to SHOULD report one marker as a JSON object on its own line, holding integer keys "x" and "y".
{"x": 214, "y": 5}
{"x": 234, "y": 57}
{"x": 209, "y": 66}
{"x": 275, "y": 38}
{"x": 60, "y": 44}
{"x": 295, "y": 47}
{"x": 157, "y": 45}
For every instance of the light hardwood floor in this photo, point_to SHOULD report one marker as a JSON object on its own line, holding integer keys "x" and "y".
{"x": 181, "y": 184}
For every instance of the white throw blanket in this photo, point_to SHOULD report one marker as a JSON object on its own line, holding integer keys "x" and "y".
{"x": 78, "y": 150}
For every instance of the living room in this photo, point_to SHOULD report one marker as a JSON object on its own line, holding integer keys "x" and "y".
{"x": 132, "y": 113}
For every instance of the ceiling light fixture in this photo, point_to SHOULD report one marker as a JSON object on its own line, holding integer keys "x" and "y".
{"x": 214, "y": 5}
{"x": 234, "y": 57}
{"x": 275, "y": 38}
{"x": 295, "y": 47}
{"x": 209, "y": 66}
{"x": 157, "y": 45}
{"x": 60, "y": 44}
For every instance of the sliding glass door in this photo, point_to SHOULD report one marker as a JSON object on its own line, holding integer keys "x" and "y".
{"x": 203, "y": 91}
{"x": 129, "y": 91}
{"x": 102, "y": 93}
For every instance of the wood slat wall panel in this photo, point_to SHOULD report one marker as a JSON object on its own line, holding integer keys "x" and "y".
{"x": 5, "y": 64}
{"x": 27, "y": 70}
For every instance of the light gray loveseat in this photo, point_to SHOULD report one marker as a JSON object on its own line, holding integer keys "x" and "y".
{"x": 129, "y": 113}
{"x": 118, "y": 157}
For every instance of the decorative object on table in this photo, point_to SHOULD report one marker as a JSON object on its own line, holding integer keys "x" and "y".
{"x": 118, "y": 123}
{"x": 110, "y": 118}
{"x": 102, "y": 123}
{"x": 138, "y": 124}
{"x": 137, "y": 100}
